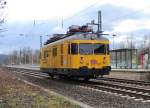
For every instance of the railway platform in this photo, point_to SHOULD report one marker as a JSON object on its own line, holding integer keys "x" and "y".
{"x": 130, "y": 70}
{"x": 133, "y": 74}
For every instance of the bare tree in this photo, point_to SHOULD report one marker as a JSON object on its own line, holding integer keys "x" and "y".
{"x": 129, "y": 42}
{"x": 24, "y": 56}
{"x": 122, "y": 45}
{"x": 2, "y": 14}
{"x": 2, "y": 10}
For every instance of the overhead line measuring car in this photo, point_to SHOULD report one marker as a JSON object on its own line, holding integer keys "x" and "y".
{"x": 78, "y": 53}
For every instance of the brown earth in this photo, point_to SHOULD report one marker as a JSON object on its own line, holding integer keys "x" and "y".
{"x": 15, "y": 93}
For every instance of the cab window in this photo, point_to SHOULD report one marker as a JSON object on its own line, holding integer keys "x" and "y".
{"x": 74, "y": 48}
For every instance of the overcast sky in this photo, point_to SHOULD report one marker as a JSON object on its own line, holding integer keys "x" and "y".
{"x": 26, "y": 20}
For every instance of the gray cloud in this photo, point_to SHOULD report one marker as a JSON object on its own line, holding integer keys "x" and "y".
{"x": 111, "y": 16}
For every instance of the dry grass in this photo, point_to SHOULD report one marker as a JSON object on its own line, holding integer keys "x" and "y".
{"x": 16, "y": 94}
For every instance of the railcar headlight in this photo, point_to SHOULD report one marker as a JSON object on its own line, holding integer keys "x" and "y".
{"x": 104, "y": 60}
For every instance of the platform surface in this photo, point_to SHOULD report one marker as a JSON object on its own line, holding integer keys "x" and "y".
{"x": 130, "y": 70}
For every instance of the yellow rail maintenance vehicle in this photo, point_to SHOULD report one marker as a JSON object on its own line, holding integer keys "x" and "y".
{"x": 78, "y": 53}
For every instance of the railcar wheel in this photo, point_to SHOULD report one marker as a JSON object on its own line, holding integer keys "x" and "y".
{"x": 64, "y": 77}
{"x": 101, "y": 76}
{"x": 51, "y": 75}
{"x": 61, "y": 76}
{"x": 86, "y": 79}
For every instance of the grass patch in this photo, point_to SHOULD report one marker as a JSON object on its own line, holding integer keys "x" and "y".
{"x": 16, "y": 94}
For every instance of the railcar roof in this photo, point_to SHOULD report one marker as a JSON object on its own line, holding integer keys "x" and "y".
{"x": 81, "y": 36}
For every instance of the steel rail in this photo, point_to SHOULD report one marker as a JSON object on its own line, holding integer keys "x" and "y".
{"x": 119, "y": 91}
{"x": 128, "y": 81}
{"x": 104, "y": 86}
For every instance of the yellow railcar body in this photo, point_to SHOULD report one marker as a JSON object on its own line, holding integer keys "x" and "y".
{"x": 65, "y": 60}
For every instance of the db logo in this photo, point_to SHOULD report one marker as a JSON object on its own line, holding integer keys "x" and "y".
{"x": 93, "y": 62}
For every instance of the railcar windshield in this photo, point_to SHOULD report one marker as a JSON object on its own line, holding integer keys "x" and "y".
{"x": 99, "y": 48}
{"x": 89, "y": 48}
{"x": 85, "y": 48}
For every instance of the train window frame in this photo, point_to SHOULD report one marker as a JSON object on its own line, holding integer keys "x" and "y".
{"x": 72, "y": 51}
{"x": 100, "y": 53}
{"x": 46, "y": 54}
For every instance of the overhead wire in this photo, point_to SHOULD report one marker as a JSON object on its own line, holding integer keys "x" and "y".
{"x": 128, "y": 14}
{"x": 35, "y": 25}
{"x": 74, "y": 14}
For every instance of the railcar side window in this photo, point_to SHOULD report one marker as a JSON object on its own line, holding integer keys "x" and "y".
{"x": 61, "y": 48}
{"x": 99, "y": 49}
{"x": 68, "y": 48}
{"x": 45, "y": 54}
{"x": 54, "y": 51}
{"x": 86, "y": 48}
{"x": 74, "y": 48}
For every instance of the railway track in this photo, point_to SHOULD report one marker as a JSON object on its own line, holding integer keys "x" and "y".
{"x": 136, "y": 82}
{"x": 121, "y": 89}
{"x": 100, "y": 84}
{"x": 33, "y": 73}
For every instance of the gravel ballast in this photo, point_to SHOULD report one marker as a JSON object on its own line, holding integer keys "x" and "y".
{"x": 92, "y": 97}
